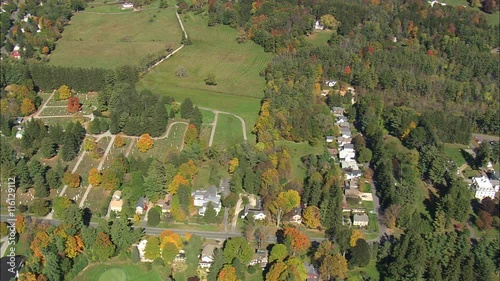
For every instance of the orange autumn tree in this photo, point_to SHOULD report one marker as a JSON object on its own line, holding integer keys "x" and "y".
{"x": 27, "y": 107}
{"x": 74, "y": 246}
{"x": 191, "y": 134}
{"x": 74, "y": 105}
{"x": 145, "y": 143}
{"x": 176, "y": 182}
{"x": 227, "y": 273}
{"x": 168, "y": 236}
{"x": 95, "y": 177}
{"x": 72, "y": 180}
{"x": 119, "y": 142}
{"x": 40, "y": 242}
{"x": 298, "y": 241}
{"x": 20, "y": 223}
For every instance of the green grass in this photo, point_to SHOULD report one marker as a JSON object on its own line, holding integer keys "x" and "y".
{"x": 174, "y": 141}
{"x": 111, "y": 40}
{"x": 191, "y": 227}
{"x": 368, "y": 205}
{"x": 297, "y": 150}
{"x": 468, "y": 173}
{"x": 454, "y": 151}
{"x": 208, "y": 116}
{"x": 214, "y": 50}
{"x": 118, "y": 272}
{"x": 370, "y": 271}
{"x": 320, "y": 38}
{"x": 201, "y": 180}
{"x": 492, "y": 19}
{"x": 228, "y": 132}
{"x": 96, "y": 199}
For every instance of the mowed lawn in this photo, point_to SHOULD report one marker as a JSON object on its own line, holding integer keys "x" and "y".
{"x": 96, "y": 39}
{"x": 492, "y": 19}
{"x": 319, "y": 38}
{"x": 297, "y": 151}
{"x": 228, "y": 131}
{"x": 118, "y": 272}
{"x": 454, "y": 151}
{"x": 214, "y": 50}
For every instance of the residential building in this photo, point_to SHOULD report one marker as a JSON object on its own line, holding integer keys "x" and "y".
{"x": 342, "y": 118}
{"x": 318, "y": 25}
{"x": 353, "y": 174}
{"x": 140, "y": 207}
{"x": 202, "y": 197}
{"x": 181, "y": 256}
{"x": 331, "y": 83}
{"x": 330, "y": 139}
{"x": 347, "y": 155}
{"x": 207, "y": 256}
{"x": 256, "y": 210}
{"x": 341, "y": 141}
{"x": 164, "y": 203}
{"x": 483, "y": 188}
{"x": 259, "y": 258}
{"x": 345, "y": 125}
{"x": 345, "y": 132}
{"x": 295, "y": 215}
{"x": 360, "y": 220}
{"x": 349, "y": 164}
{"x": 116, "y": 203}
{"x": 312, "y": 272}
{"x": 338, "y": 111}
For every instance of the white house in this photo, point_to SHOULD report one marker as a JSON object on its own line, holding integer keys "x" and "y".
{"x": 360, "y": 220}
{"x": 207, "y": 256}
{"x": 345, "y": 132}
{"x": 347, "y": 155}
{"x": 140, "y": 206}
{"x": 436, "y": 2}
{"x": 318, "y": 25}
{"x": 116, "y": 202}
{"x": 127, "y": 6}
{"x": 341, "y": 119}
{"x": 353, "y": 174}
{"x": 331, "y": 83}
{"x": 483, "y": 188}
{"x": 330, "y": 139}
{"x": 202, "y": 197}
{"x": 19, "y": 134}
{"x": 351, "y": 164}
{"x": 341, "y": 141}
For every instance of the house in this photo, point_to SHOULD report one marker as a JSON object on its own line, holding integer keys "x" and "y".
{"x": 360, "y": 220}
{"x": 341, "y": 119}
{"x": 344, "y": 125}
{"x": 116, "y": 203}
{"x": 141, "y": 247}
{"x": 348, "y": 147}
{"x": 436, "y": 2}
{"x": 312, "y": 272}
{"x": 330, "y": 83}
{"x": 345, "y": 132}
{"x": 338, "y": 111}
{"x": 164, "y": 204}
{"x": 353, "y": 174}
{"x": 140, "y": 207}
{"x": 15, "y": 55}
{"x": 318, "y": 25}
{"x": 181, "y": 256}
{"x": 257, "y": 210}
{"x": 202, "y": 197}
{"x": 127, "y": 6}
{"x": 19, "y": 134}
{"x": 295, "y": 215}
{"x": 483, "y": 188}
{"x": 349, "y": 164}
{"x": 347, "y": 155}
{"x": 259, "y": 258}
{"x": 341, "y": 141}
{"x": 324, "y": 93}
{"x": 207, "y": 256}
{"x": 330, "y": 139}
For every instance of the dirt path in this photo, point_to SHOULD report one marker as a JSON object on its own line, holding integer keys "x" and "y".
{"x": 214, "y": 125}
{"x": 237, "y": 210}
{"x": 129, "y": 148}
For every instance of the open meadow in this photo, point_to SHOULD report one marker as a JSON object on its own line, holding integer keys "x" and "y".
{"x": 118, "y": 271}
{"x": 493, "y": 19}
{"x": 106, "y": 36}
{"x": 214, "y": 50}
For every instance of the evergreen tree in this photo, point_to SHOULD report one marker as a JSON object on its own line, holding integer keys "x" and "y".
{"x": 187, "y": 109}
{"x": 154, "y": 182}
{"x": 23, "y": 175}
{"x": 153, "y": 217}
{"x": 210, "y": 214}
{"x": 48, "y": 148}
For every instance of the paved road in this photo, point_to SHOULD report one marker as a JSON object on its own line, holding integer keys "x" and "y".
{"x": 376, "y": 208}
{"x": 4, "y": 247}
{"x": 157, "y": 231}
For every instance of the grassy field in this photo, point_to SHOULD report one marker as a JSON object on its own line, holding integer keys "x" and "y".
{"x": 297, "y": 150}
{"x": 105, "y": 36}
{"x": 228, "y": 131}
{"x": 319, "y": 38}
{"x": 174, "y": 141}
{"x": 96, "y": 199}
{"x": 492, "y": 19}
{"x": 370, "y": 271}
{"x": 118, "y": 272}
{"x": 236, "y": 66}
{"x": 201, "y": 179}
{"x": 454, "y": 151}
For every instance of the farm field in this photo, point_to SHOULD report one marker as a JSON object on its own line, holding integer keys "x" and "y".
{"x": 228, "y": 131}
{"x": 113, "y": 271}
{"x": 236, "y": 66}
{"x": 105, "y": 36}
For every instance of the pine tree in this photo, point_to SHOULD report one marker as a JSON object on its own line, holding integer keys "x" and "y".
{"x": 210, "y": 214}
{"x": 23, "y": 175}
{"x": 48, "y": 148}
{"x": 187, "y": 109}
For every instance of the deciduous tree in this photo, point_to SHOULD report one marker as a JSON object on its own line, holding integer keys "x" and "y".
{"x": 119, "y": 142}
{"x": 311, "y": 217}
{"x": 285, "y": 202}
{"x": 27, "y": 107}
{"x": 64, "y": 92}
{"x": 355, "y": 236}
{"x": 95, "y": 177}
{"x": 74, "y": 105}
{"x": 72, "y": 180}
{"x": 227, "y": 273}
{"x": 334, "y": 266}
{"x": 278, "y": 253}
{"x": 145, "y": 143}
{"x": 237, "y": 247}
{"x": 297, "y": 241}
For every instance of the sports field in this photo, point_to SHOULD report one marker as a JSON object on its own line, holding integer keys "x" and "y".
{"x": 105, "y": 36}
{"x": 118, "y": 272}
{"x": 236, "y": 66}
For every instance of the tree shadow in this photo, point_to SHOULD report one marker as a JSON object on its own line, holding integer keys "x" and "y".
{"x": 468, "y": 158}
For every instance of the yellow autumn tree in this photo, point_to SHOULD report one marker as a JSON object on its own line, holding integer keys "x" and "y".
{"x": 145, "y": 143}
{"x": 74, "y": 246}
{"x": 176, "y": 182}
{"x": 355, "y": 236}
{"x": 119, "y": 142}
{"x": 64, "y": 92}
{"x": 233, "y": 164}
{"x": 27, "y": 107}
{"x": 95, "y": 177}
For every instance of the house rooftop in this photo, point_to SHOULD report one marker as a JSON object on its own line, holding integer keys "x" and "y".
{"x": 361, "y": 218}
{"x": 208, "y": 250}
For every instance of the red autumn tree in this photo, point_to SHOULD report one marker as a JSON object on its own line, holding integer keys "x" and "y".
{"x": 299, "y": 242}
{"x": 74, "y": 105}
